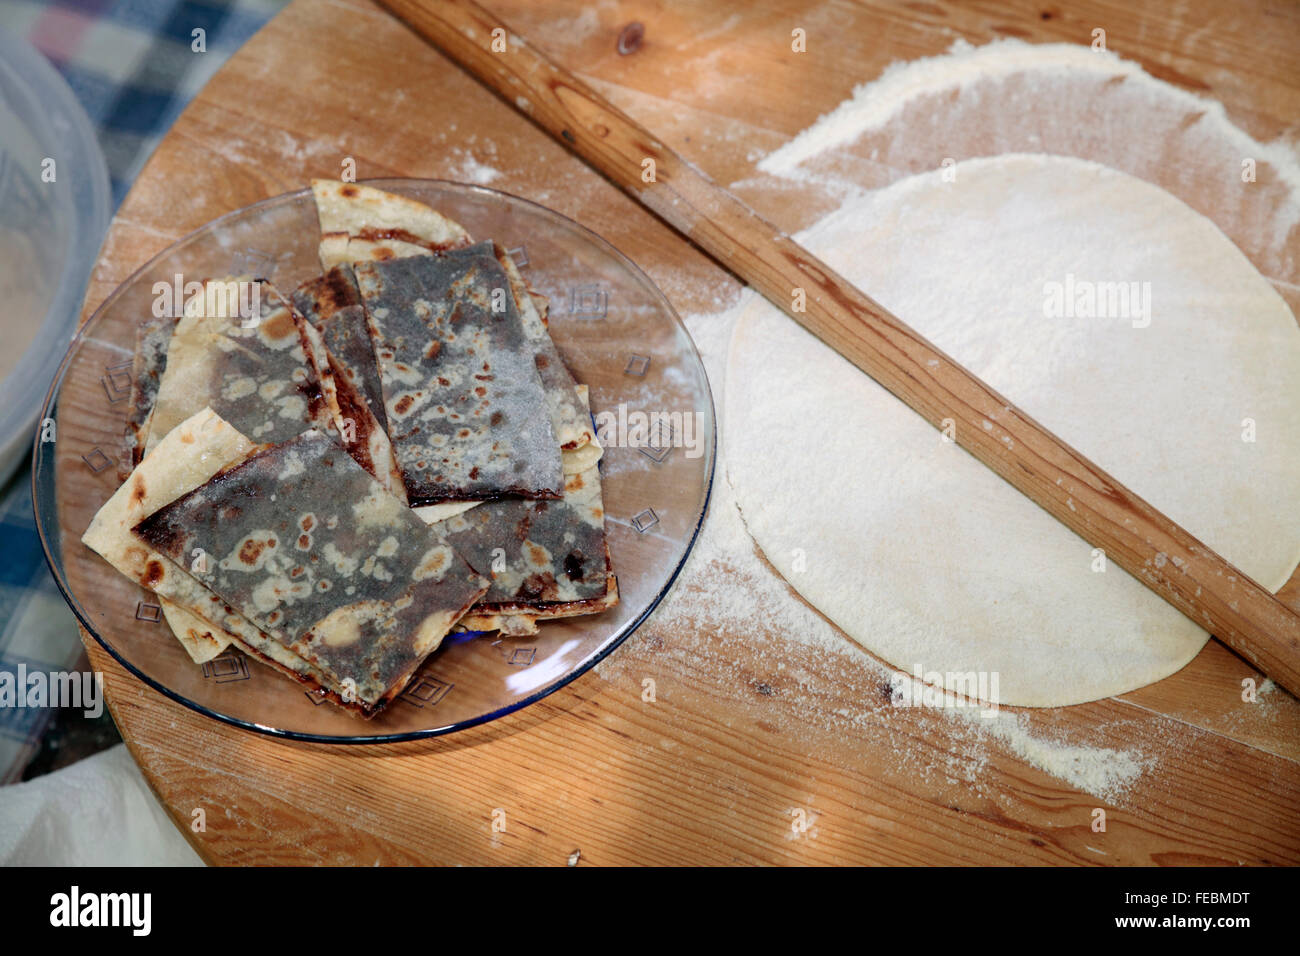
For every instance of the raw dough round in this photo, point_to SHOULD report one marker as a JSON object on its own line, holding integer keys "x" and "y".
{"x": 923, "y": 555}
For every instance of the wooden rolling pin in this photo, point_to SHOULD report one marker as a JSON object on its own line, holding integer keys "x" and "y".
{"x": 1135, "y": 535}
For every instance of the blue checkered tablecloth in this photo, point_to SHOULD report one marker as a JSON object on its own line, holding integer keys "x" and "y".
{"x": 133, "y": 65}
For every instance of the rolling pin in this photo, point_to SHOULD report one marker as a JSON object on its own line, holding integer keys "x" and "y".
{"x": 1151, "y": 547}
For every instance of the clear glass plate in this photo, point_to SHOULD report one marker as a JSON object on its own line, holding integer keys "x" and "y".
{"x": 619, "y": 336}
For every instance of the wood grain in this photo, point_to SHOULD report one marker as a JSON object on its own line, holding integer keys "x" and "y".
{"x": 749, "y": 724}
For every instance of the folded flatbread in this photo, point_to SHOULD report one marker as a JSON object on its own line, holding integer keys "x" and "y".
{"x": 303, "y": 543}
{"x": 466, "y": 410}
{"x": 361, "y": 222}
{"x": 164, "y": 475}
{"x": 364, "y": 224}
{"x": 151, "y": 342}
{"x": 547, "y": 559}
{"x": 332, "y": 303}
{"x": 254, "y": 373}
{"x": 571, "y": 421}
{"x": 360, "y": 431}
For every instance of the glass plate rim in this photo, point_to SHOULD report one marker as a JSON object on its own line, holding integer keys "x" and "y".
{"x": 277, "y": 733}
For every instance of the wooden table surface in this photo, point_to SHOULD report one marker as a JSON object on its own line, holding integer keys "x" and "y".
{"x": 739, "y": 747}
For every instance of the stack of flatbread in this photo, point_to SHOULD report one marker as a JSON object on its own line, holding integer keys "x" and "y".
{"x": 336, "y": 479}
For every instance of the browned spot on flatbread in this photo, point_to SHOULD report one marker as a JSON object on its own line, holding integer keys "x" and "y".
{"x": 573, "y": 562}
{"x": 307, "y": 523}
{"x": 315, "y": 398}
{"x": 537, "y": 554}
{"x": 394, "y": 234}
{"x": 280, "y": 325}
{"x": 575, "y": 482}
{"x": 137, "y": 489}
{"x": 535, "y": 586}
{"x": 403, "y": 404}
{"x": 497, "y": 418}
{"x": 153, "y": 573}
{"x": 543, "y": 362}
{"x": 348, "y": 191}
{"x": 433, "y": 349}
{"x": 335, "y": 292}
{"x": 353, "y": 408}
{"x": 251, "y": 551}
{"x": 435, "y": 565}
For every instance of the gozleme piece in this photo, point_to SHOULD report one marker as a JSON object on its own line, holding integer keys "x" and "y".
{"x": 184, "y": 459}
{"x": 251, "y": 370}
{"x": 164, "y": 475}
{"x": 302, "y": 542}
{"x": 363, "y": 224}
{"x": 377, "y": 220}
{"x": 152, "y": 340}
{"x": 332, "y": 303}
{"x": 361, "y": 433}
{"x": 548, "y": 559}
{"x": 466, "y": 410}
{"x": 569, "y": 418}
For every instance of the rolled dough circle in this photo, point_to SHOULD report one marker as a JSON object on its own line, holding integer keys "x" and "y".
{"x": 918, "y": 551}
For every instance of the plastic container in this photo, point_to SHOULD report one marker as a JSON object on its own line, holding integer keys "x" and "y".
{"x": 55, "y": 206}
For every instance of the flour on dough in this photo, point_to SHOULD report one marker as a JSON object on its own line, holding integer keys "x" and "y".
{"x": 925, "y": 556}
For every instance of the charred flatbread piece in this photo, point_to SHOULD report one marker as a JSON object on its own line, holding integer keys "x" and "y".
{"x": 531, "y": 587}
{"x": 332, "y": 303}
{"x": 556, "y": 563}
{"x": 168, "y": 472}
{"x": 569, "y": 418}
{"x": 363, "y": 224}
{"x": 466, "y": 410}
{"x": 151, "y": 342}
{"x": 303, "y": 543}
{"x": 352, "y": 419}
{"x": 252, "y": 371}
{"x": 187, "y": 457}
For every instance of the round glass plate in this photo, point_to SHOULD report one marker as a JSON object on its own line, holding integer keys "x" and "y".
{"x": 619, "y": 336}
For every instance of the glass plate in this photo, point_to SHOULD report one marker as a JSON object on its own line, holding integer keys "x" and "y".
{"x": 619, "y": 336}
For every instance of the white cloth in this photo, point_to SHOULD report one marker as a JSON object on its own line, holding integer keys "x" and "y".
{"x": 96, "y": 812}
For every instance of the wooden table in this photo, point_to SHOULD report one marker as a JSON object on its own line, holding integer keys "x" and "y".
{"x": 739, "y": 748}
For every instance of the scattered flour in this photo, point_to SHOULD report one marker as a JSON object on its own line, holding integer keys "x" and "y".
{"x": 470, "y": 170}
{"x": 874, "y": 103}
